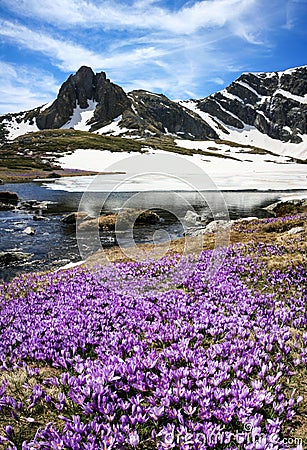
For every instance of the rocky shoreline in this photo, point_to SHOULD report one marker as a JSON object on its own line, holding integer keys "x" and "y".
{"x": 197, "y": 227}
{"x": 16, "y": 176}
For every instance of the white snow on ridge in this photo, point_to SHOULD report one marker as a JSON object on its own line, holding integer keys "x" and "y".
{"x": 252, "y": 136}
{"x": 46, "y": 106}
{"x": 113, "y": 128}
{"x": 80, "y": 117}
{"x": 231, "y": 96}
{"x": 287, "y": 94}
{"x": 291, "y": 70}
{"x": 247, "y": 86}
{"x": 16, "y": 129}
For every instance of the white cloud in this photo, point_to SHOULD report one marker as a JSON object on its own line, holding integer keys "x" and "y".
{"x": 23, "y": 88}
{"x": 69, "y": 56}
{"x": 219, "y": 81}
{"x": 141, "y": 15}
{"x": 142, "y": 43}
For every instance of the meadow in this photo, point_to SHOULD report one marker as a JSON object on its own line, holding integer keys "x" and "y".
{"x": 149, "y": 355}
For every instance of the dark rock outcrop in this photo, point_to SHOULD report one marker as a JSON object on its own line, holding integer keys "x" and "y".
{"x": 142, "y": 112}
{"x": 12, "y": 257}
{"x": 9, "y": 197}
{"x": 287, "y": 207}
{"x": 274, "y": 103}
{"x": 122, "y": 221}
{"x": 76, "y": 91}
{"x": 156, "y": 114}
{"x": 6, "y": 206}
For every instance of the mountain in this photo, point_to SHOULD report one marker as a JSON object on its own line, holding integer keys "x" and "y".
{"x": 267, "y": 110}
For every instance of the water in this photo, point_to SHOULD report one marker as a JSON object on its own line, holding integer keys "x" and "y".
{"x": 54, "y": 243}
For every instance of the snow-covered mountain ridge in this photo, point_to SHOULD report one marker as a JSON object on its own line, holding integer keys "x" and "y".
{"x": 264, "y": 110}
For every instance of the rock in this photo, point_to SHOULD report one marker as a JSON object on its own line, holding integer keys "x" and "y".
{"x": 1, "y": 181}
{"x": 74, "y": 217}
{"x": 122, "y": 221}
{"x": 38, "y": 218}
{"x": 12, "y": 256}
{"x": 287, "y": 207}
{"x": 85, "y": 85}
{"x": 53, "y": 175}
{"x": 29, "y": 230}
{"x": 246, "y": 219}
{"x": 6, "y": 206}
{"x": 217, "y": 225}
{"x": 271, "y": 102}
{"x": 194, "y": 232}
{"x": 296, "y": 230}
{"x": 146, "y": 217}
{"x": 191, "y": 218}
{"x": 34, "y": 204}
{"x": 156, "y": 114}
{"x": 9, "y": 197}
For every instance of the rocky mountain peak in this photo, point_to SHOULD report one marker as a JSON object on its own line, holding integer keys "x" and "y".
{"x": 274, "y": 103}
{"x": 110, "y": 100}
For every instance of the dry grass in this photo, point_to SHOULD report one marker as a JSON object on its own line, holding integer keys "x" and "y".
{"x": 20, "y": 384}
{"x": 254, "y": 231}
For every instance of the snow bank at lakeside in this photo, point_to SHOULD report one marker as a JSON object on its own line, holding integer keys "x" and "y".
{"x": 248, "y": 172}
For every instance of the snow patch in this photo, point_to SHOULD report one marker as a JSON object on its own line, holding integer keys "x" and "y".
{"x": 81, "y": 116}
{"x": 113, "y": 128}
{"x": 287, "y": 94}
{"x": 16, "y": 128}
{"x": 252, "y": 136}
{"x": 247, "y": 86}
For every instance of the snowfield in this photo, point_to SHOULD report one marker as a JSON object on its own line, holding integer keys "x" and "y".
{"x": 149, "y": 172}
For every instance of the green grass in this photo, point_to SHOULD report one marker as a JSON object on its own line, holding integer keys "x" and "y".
{"x": 58, "y": 141}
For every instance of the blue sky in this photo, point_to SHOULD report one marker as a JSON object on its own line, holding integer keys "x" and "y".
{"x": 184, "y": 49}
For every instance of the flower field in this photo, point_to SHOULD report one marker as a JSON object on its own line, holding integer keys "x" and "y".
{"x": 123, "y": 357}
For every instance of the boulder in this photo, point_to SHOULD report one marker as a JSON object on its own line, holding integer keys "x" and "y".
{"x": 12, "y": 256}
{"x": 287, "y": 207}
{"x": 217, "y": 225}
{"x": 122, "y": 221}
{"x": 9, "y": 197}
{"x": 6, "y": 206}
{"x": 191, "y": 218}
{"x": 74, "y": 217}
{"x": 212, "y": 227}
{"x": 29, "y": 230}
{"x": 296, "y": 230}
